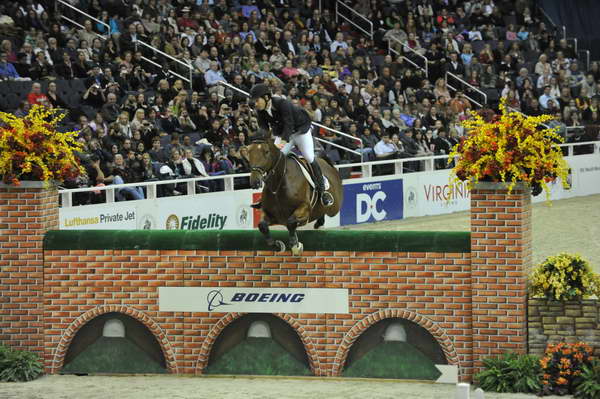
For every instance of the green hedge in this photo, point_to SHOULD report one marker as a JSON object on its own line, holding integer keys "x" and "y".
{"x": 325, "y": 240}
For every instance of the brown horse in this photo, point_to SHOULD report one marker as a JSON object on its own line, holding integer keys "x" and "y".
{"x": 287, "y": 197}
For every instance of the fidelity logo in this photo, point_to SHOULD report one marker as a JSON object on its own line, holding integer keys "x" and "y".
{"x": 198, "y": 222}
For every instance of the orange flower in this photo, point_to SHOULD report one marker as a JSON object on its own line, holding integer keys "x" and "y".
{"x": 562, "y": 381}
{"x": 565, "y": 363}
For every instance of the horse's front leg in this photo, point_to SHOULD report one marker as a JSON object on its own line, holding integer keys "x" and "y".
{"x": 263, "y": 227}
{"x": 298, "y": 218}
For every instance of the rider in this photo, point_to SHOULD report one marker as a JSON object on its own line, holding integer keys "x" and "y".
{"x": 292, "y": 124}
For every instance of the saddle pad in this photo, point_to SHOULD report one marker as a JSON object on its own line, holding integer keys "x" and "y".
{"x": 306, "y": 173}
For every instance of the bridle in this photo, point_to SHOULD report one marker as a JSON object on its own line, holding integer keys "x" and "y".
{"x": 266, "y": 175}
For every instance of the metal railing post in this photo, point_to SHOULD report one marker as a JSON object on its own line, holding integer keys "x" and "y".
{"x": 108, "y": 29}
{"x": 171, "y": 58}
{"x": 66, "y": 199}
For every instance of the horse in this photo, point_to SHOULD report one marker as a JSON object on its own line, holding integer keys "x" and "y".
{"x": 288, "y": 199}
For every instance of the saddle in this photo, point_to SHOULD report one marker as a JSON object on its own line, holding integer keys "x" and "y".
{"x": 307, "y": 170}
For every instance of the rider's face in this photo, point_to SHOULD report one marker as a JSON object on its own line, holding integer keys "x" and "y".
{"x": 260, "y": 103}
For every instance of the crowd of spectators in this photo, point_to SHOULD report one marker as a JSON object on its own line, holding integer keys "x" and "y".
{"x": 139, "y": 120}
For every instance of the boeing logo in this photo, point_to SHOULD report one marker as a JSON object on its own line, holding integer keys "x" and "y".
{"x": 215, "y": 299}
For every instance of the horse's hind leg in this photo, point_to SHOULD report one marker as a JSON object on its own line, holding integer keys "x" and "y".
{"x": 320, "y": 222}
{"x": 278, "y": 245}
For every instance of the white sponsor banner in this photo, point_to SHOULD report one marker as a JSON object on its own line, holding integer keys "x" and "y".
{"x": 429, "y": 193}
{"x": 98, "y": 217}
{"x": 256, "y": 300}
{"x": 585, "y": 174}
{"x": 209, "y": 211}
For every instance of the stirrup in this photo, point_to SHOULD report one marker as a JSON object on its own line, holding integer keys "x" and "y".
{"x": 327, "y": 198}
{"x": 256, "y": 205}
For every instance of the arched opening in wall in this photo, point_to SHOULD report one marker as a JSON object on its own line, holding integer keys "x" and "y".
{"x": 395, "y": 348}
{"x": 114, "y": 343}
{"x": 258, "y": 344}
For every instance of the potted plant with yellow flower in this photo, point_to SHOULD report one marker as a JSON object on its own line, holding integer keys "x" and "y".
{"x": 32, "y": 148}
{"x": 510, "y": 148}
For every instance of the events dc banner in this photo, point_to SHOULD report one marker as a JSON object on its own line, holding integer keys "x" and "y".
{"x": 372, "y": 202}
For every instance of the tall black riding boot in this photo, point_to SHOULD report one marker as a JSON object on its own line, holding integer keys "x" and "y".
{"x": 325, "y": 196}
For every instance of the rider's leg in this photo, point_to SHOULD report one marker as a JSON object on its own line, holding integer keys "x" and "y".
{"x": 305, "y": 144}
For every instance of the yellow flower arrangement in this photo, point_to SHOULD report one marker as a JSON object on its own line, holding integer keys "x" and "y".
{"x": 564, "y": 277}
{"x": 32, "y": 147}
{"x": 511, "y": 148}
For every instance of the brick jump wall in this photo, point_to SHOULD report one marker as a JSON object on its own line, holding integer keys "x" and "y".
{"x": 26, "y": 213}
{"x": 465, "y": 289}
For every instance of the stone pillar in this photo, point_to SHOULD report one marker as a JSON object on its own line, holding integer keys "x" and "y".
{"x": 501, "y": 259}
{"x": 26, "y": 213}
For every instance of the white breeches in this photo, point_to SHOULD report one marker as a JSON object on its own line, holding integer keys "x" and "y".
{"x": 304, "y": 142}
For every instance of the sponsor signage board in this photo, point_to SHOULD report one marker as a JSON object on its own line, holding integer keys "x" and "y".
{"x": 221, "y": 212}
{"x": 431, "y": 194}
{"x": 372, "y": 201}
{"x": 100, "y": 217}
{"x": 255, "y": 300}
{"x": 210, "y": 211}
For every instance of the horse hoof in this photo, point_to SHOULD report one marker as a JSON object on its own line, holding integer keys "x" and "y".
{"x": 279, "y": 246}
{"x": 297, "y": 249}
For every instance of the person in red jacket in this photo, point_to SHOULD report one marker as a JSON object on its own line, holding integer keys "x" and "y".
{"x": 36, "y": 96}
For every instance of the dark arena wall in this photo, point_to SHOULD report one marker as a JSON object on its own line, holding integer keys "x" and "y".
{"x": 465, "y": 290}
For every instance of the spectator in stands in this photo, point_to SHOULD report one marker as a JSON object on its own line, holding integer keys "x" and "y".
{"x": 36, "y": 97}
{"x": 212, "y": 78}
{"x": 110, "y": 110}
{"x": 7, "y": 70}
{"x": 385, "y": 148}
{"x": 53, "y": 98}
{"x": 122, "y": 173}
{"x": 545, "y": 97}
{"x": 193, "y": 167}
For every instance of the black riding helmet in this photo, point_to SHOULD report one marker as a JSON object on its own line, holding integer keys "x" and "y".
{"x": 259, "y": 90}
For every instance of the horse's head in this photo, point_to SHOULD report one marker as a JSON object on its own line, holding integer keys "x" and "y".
{"x": 262, "y": 156}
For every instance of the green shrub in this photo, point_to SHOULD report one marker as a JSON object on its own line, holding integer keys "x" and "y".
{"x": 510, "y": 373}
{"x": 18, "y": 365}
{"x": 588, "y": 382}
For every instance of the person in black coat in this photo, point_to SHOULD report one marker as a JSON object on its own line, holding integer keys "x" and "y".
{"x": 292, "y": 123}
{"x": 441, "y": 146}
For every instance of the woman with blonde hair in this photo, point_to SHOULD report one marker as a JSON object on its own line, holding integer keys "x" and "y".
{"x": 440, "y": 89}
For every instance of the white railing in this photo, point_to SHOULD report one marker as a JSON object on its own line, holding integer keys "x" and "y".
{"x": 405, "y": 46}
{"x": 349, "y": 136}
{"x": 475, "y": 89}
{"x": 64, "y": 3}
{"x": 426, "y": 164}
{"x": 345, "y": 7}
{"x": 152, "y": 48}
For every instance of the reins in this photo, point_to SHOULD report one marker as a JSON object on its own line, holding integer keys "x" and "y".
{"x": 267, "y": 175}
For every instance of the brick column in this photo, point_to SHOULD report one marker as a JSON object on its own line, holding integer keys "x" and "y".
{"x": 26, "y": 213}
{"x": 501, "y": 249}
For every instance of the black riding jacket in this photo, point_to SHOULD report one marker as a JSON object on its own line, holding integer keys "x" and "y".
{"x": 286, "y": 118}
